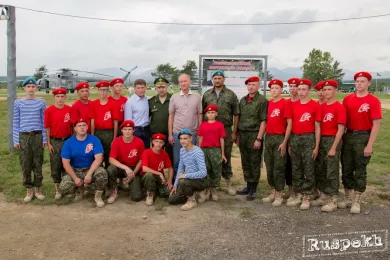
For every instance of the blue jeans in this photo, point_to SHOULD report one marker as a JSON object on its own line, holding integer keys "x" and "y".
{"x": 176, "y": 151}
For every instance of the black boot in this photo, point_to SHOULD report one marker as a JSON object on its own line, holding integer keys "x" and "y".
{"x": 245, "y": 190}
{"x": 252, "y": 192}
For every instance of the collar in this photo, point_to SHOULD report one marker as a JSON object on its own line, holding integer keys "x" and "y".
{"x": 254, "y": 97}
{"x": 139, "y": 98}
{"x": 182, "y": 94}
{"x": 157, "y": 98}
{"x": 223, "y": 89}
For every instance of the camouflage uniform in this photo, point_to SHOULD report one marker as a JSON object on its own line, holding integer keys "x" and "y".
{"x": 276, "y": 165}
{"x": 186, "y": 188}
{"x": 354, "y": 163}
{"x": 228, "y": 107}
{"x": 57, "y": 169}
{"x": 135, "y": 184}
{"x": 99, "y": 179}
{"x": 152, "y": 183}
{"x": 213, "y": 158}
{"x": 303, "y": 166}
{"x": 31, "y": 158}
{"x": 106, "y": 138}
{"x": 252, "y": 113}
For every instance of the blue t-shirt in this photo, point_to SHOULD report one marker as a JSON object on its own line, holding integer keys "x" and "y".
{"x": 81, "y": 153}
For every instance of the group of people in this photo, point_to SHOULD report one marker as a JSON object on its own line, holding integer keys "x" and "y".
{"x": 179, "y": 146}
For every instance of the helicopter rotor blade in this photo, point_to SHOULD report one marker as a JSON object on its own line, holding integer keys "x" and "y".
{"x": 95, "y": 73}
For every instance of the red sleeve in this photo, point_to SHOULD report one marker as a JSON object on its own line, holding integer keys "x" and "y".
{"x": 200, "y": 130}
{"x": 145, "y": 158}
{"x": 342, "y": 115}
{"x": 222, "y": 133}
{"x": 288, "y": 109}
{"x": 167, "y": 161}
{"x": 115, "y": 110}
{"x": 345, "y": 100}
{"x": 114, "y": 149}
{"x": 73, "y": 113}
{"x": 318, "y": 112}
{"x": 91, "y": 111}
{"x": 141, "y": 149}
{"x": 46, "y": 120}
{"x": 376, "y": 110}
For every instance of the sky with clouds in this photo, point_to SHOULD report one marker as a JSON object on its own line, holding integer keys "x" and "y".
{"x": 88, "y": 45}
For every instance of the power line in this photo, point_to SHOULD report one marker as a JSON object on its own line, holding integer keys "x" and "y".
{"x": 206, "y": 24}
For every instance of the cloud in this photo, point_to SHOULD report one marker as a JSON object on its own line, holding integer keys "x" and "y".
{"x": 382, "y": 58}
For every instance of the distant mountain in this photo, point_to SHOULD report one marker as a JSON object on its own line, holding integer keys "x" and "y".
{"x": 286, "y": 73}
{"x": 116, "y": 72}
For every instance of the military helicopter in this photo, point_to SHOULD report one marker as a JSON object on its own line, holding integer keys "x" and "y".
{"x": 69, "y": 78}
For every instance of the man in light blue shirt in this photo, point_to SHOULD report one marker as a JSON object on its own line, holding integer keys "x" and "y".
{"x": 137, "y": 110}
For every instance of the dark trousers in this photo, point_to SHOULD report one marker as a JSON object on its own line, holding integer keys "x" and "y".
{"x": 135, "y": 184}
{"x": 288, "y": 174}
{"x": 186, "y": 188}
{"x": 143, "y": 132}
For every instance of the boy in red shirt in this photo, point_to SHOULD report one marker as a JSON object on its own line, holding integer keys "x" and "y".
{"x": 104, "y": 119}
{"x": 125, "y": 162}
{"x": 364, "y": 115}
{"x": 332, "y": 129}
{"x": 154, "y": 161}
{"x": 212, "y": 135}
{"x": 320, "y": 92}
{"x": 278, "y": 132}
{"x": 118, "y": 99}
{"x": 58, "y": 129}
{"x": 80, "y": 107}
{"x": 305, "y": 142}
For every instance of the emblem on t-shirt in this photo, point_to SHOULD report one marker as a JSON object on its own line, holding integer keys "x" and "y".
{"x": 305, "y": 117}
{"x": 88, "y": 148}
{"x": 275, "y": 112}
{"x": 160, "y": 166}
{"x": 107, "y": 115}
{"x": 67, "y": 117}
{"x": 328, "y": 117}
{"x": 364, "y": 108}
{"x": 133, "y": 153}
{"x": 122, "y": 107}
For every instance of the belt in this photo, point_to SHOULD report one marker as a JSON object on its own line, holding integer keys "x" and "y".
{"x": 358, "y": 132}
{"x": 141, "y": 127}
{"x": 59, "y": 139}
{"x": 32, "y": 133}
{"x": 104, "y": 129}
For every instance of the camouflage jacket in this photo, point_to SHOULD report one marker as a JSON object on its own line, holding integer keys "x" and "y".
{"x": 252, "y": 112}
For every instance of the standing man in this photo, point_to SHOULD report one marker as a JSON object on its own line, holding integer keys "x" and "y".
{"x": 29, "y": 138}
{"x": 80, "y": 107}
{"x": 185, "y": 111}
{"x": 364, "y": 115}
{"x": 159, "y": 112}
{"x": 251, "y": 129}
{"x": 320, "y": 92}
{"x": 228, "y": 109}
{"x": 137, "y": 110}
{"x": 119, "y": 100}
{"x": 58, "y": 129}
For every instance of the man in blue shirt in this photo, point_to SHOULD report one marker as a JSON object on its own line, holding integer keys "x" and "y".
{"x": 137, "y": 110}
{"x": 82, "y": 156}
{"x": 191, "y": 178}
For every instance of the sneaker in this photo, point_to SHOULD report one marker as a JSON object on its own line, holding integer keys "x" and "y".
{"x": 38, "y": 194}
{"x": 149, "y": 198}
{"x": 29, "y": 195}
{"x": 113, "y": 196}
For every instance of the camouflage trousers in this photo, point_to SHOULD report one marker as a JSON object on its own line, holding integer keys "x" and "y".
{"x": 275, "y": 164}
{"x": 135, "y": 184}
{"x": 353, "y": 162}
{"x": 56, "y": 167}
{"x": 105, "y": 137}
{"x": 250, "y": 158}
{"x": 99, "y": 180}
{"x": 288, "y": 173}
{"x": 328, "y": 168}
{"x": 31, "y": 159}
{"x": 213, "y": 159}
{"x": 186, "y": 188}
{"x": 153, "y": 183}
{"x": 227, "y": 172}
{"x": 303, "y": 176}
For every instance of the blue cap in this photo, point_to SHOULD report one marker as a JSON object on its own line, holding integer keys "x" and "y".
{"x": 185, "y": 131}
{"x": 218, "y": 73}
{"x": 29, "y": 80}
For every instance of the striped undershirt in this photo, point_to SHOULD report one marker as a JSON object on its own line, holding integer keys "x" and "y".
{"x": 29, "y": 114}
{"x": 193, "y": 163}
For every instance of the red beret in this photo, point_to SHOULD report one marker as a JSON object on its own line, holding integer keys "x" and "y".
{"x": 117, "y": 80}
{"x": 82, "y": 85}
{"x": 275, "y": 82}
{"x": 59, "y": 91}
{"x": 158, "y": 136}
{"x": 102, "y": 84}
{"x": 305, "y": 82}
{"x": 319, "y": 85}
{"x": 127, "y": 123}
{"x": 362, "y": 74}
{"x": 211, "y": 107}
{"x": 293, "y": 81}
{"x": 331, "y": 82}
{"x": 252, "y": 79}
{"x": 81, "y": 120}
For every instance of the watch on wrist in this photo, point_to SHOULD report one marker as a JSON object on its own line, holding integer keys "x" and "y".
{"x": 259, "y": 139}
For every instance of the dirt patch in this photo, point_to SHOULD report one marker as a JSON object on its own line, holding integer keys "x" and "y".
{"x": 385, "y": 104}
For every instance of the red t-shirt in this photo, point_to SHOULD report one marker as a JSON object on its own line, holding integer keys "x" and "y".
{"x": 119, "y": 106}
{"x": 361, "y": 111}
{"x": 104, "y": 115}
{"x": 127, "y": 153}
{"x": 80, "y": 110}
{"x": 154, "y": 161}
{"x": 332, "y": 116}
{"x": 304, "y": 117}
{"x": 278, "y": 112}
{"x": 59, "y": 121}
{"x": 211, "y": 133}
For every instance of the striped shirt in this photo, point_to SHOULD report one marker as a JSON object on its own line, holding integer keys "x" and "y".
{"x": 29, "y": 114}
{"x": 193, "y": 163}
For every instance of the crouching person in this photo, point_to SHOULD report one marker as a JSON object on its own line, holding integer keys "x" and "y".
{"x": 82, "y": 156}
{"x": 194, "y": 181}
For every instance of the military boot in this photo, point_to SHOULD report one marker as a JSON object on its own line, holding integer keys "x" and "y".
{"x": 270, "y": 198}
{"x": 201, "y": 196}
{"x": 296, "y": 201}
{"x": 29, "y": 196}
{"x": 79, "y": 194}
{"x": 357, "y": 199}
{"x": 190, "y": 204}
{"x": 278, "y": 199}
{"x": 230, "y": 190}
{"x": 316, "y": 194}
{"x": 252, "y": 191}
{"x": 348, "y": 197}
{"x": 245, "y": 190}
{"x": 38, "y": 194}
{"x": 58, "y": 195}
{"x": 305, "y": 202}
{"x": 288, "y": 193}
{"x": 98, "y": 199}
{"x": 214, "y": 195}
{"x": 321, "y": 200}
{"x": 149, "y": 198}
{"x": 207, "y": 194}
{"x": 113, "y": 196}
{"x": 331, "y": 205}
{"x": 293, "y": 195}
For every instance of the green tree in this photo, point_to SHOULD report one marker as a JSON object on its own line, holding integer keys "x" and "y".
{"x": 166, "y": 71}
{"x": 39, "y": 72}
{"x": 189, "y": 68}
{"x": 269, "y": 76}
{"x": 338, "y": 73}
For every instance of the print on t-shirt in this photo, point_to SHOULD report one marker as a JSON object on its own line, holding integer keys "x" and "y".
{"x": 161, "y": 166}
{"x": 88, "y": 148}
{"x": 67, "y": 117}
{"x": 107, "y": 115}
{"x": 133, "y": 153}
{"x": 364, "y": 108}
{"x": 305, "y": 117}
{"x": 328, "y": 117}
{"x": 275, "y": 112}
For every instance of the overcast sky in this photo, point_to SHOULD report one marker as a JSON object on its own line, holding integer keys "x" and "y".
{"x": 87, "y": 45}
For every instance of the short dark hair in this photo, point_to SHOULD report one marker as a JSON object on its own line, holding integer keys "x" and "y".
{"x": 139, "y": 82}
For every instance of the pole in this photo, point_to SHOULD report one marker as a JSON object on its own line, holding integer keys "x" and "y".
{"x": 11, "y": 72}
{"x": 265, "y": 75}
